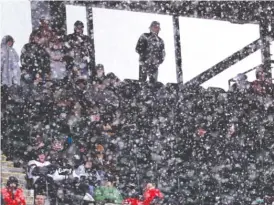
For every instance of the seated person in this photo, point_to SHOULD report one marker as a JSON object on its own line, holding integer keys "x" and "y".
{"x": 11, "y": 194}
{"x": 108, "y": 194}
{"x": 38, "y": 171}
{"x": 40, "y": 199}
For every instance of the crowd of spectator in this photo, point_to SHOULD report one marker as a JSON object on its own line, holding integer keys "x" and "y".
{"x": 84, "y": 136}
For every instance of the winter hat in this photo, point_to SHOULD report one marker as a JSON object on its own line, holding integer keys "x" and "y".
{"x": 11, "y": 180}
{"x": 154, "y": 23}
{"x": 41, "y": 151}
{"x": 78, "y": 24}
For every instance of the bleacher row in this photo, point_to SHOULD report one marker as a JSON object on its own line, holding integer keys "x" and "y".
{"x": 200, "y": 146}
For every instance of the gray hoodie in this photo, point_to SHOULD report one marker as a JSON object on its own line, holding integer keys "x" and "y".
{"x": 10, "y": 69}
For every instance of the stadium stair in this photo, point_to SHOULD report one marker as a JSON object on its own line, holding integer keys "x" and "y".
{"x": 7, "y": 170}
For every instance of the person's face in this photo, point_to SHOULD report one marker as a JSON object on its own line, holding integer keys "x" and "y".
{"x": 12, "y": 186}
{"x": 57, "y": 145}
{"x": 100, "y": 73}
{"x": 39, "y": 200}
{"x": 45, "y": 23}
{"x": 42, "y": 157}
{"x": 155, "y": 29}
{"x": 10, "y": 43}
{"x": 79, "y": 30}
{"x": 88, "y": 164}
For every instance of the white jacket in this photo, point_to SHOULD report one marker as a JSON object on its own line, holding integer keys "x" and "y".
{"x": 32, "y": 164}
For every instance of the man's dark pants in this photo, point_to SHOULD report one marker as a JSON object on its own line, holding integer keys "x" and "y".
{"x": 148, "y": 70}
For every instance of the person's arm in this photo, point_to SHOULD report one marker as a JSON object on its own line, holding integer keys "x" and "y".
{"x": 163, "y": 54}
{"x": 141, "y": 45}
{"x": 21, "y": 198}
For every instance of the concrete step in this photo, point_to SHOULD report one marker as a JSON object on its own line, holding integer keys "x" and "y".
{"x": 12, "y": 169}
{"x": 3, "y": 158}
{"x": 6, "y": 164}
{"x": 18, "y": 175}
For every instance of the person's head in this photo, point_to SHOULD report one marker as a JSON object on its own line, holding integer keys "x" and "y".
{"x": 12, "y": 183}
{"x": 35, "y": 37}
{"x": 155, "y": 27}
{"x": 100, "y": 70}
{"x": 45, "y": 22}
{"x": 241, "y": 78}
{"x": 82, "y": 82}
{"x": 79, "y": 27}
{"x": 41, "y": 154}
{"x": 57, "y": 144}
{"x": 88, "y": 164}
{"x": 149, "y": 186}
{"x": 8, "y": 41}
{"x": 40, "y": 199}
{"x": 262, "y": 75}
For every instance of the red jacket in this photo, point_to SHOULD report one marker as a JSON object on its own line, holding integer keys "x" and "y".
{"x": 18, "y": 198}
{"x": 131, "y": 201}
{"x": 150, "y": 194}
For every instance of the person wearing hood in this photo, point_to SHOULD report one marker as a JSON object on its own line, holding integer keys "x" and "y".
{"x": 12, "y": 195}
{"x": 10, "y": 69}
{"x": 151, "y": 50}
{"x": 98, "y": 74}
{"x": 80, "y": 48}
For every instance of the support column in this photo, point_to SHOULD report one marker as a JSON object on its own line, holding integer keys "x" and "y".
{"x": 91, "y": 33}
{"x": 177, "y": 45}
{"x": 58, "y": 16}
{"x": 265, "y": 50}
{"x": 39, "y": 9}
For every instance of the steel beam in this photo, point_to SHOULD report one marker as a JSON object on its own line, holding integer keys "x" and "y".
{"x": 266, "y": 39}
{"x": 177, "y": 46}
{"x": 226, "y": 63}
{"x": 91, "y": 34}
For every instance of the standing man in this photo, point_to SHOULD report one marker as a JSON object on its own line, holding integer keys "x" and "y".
{"x": 151, "y": 49}
{"x": 80, "y": 48}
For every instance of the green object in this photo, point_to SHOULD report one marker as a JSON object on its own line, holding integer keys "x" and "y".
{"x": 108, "y": 193}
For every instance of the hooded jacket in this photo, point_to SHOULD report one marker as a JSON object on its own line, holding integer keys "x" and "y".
{"x": 10, "y": 68}
{"x": 16, "y": 199}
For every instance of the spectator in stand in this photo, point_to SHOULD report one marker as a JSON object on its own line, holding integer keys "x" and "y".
{"x": 56, "y": 52}
{"x": 35, "y": 60}
{"x": 38, "y": 170}
{"x": 151, "y": 50}
{"x": 152, "y": 194}
{"x": 12, "y": 195}
{"x": 241, "y": 84}
{"x": 263, "y": 84}
{"x": 40, "y": 199}
{"x": 10, "y": 70}
{"x": 98, "y": 74}
{"x": 45, "y": 31}
{"x": 108, "y": 194}
{"x": 80, "y": 48}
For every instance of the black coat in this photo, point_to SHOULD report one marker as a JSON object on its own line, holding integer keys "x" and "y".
{"x": 151, "y": 49}
{"x": 35, "y": 60}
